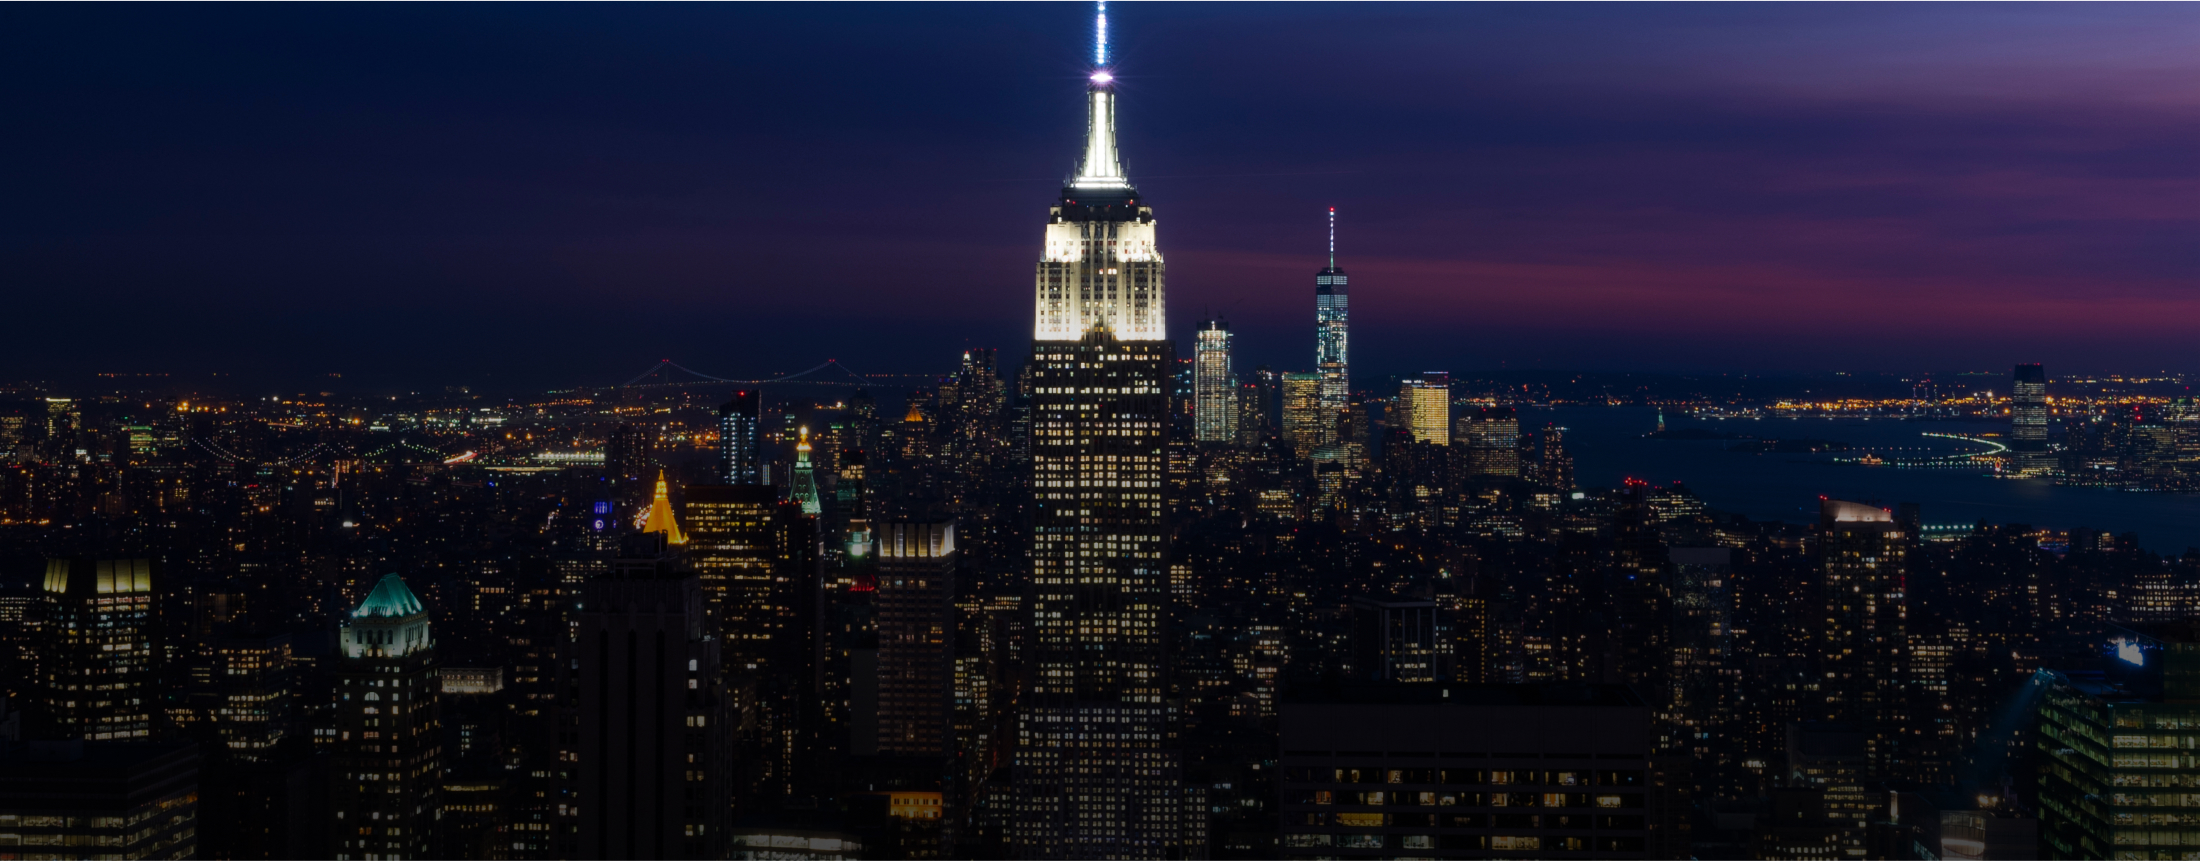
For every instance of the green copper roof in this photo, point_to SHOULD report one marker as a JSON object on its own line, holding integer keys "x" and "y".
{"x": 389, "y": 598}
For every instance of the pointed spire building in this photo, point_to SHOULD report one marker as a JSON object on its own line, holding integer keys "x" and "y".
{"x": 660, "y": 514}
{"x": 1095, "y": 724}
{"x": 1331, "y": 328}
{"x": 804, "y": 488}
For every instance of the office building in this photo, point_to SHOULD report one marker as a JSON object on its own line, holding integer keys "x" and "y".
{"x": 2028, "y": 414}
{"x": 1394, "y": 640}
{"x": 1492, "y": 442}
{"x": 1214, "y": 410}
{"x": 1306, "y": 426}
{"x": 915, "y": 612}
{"x": 630, "y": 456}
{"x": 733, "y": 549}
{"x": 1863, "y": 577}
{"x": 1424, "y": 407}
{"x": 2116, "y": 746}
{"x": 1824, "y": 807}
{"x": 656, "y": 772}
{"x": 1097, "y": 767}
{"x": 251, "y": 703}
{"x": 388, "y": 762}
{"x": 1331, "y": 329}
{"x": 95, "y": 648}
{"x": 740, "y": 439}
{"x": 1699, "y": 696}
{"x": 1444, "y": 770}
{"x": 1557, "y": 469}
{"x": 1252, "y": 416}
{"x": 62, "y": 800}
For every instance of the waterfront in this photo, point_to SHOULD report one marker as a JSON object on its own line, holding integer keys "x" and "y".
{"x": 1609, "y": 445}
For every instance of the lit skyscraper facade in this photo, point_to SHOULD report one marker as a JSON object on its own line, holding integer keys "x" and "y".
{"x": 1864, "y": 571}
{"x": 1426, "y": 404}
{"x": 96, "y": 665}
{"x": 1306, "y": 426}
{"x": 1330, "y": 329}
{"x": 2028, "y": 419}
{"x": 739, "y": 420}
{"x": 1097, "y": 769}
{"x": 1214, "y": 408}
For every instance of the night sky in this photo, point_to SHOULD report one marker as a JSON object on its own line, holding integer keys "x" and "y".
{"x": 538, "y": 195}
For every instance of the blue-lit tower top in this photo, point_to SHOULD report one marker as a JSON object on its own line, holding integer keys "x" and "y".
{"x": 1332, "y": 329}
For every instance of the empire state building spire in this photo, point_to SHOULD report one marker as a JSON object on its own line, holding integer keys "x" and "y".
{"x": 1097, "y": 770}
{"x": 1103, "y": 166}
{"x": 1101, "y": 269}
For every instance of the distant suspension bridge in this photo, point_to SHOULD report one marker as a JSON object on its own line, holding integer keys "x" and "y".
{"x": 662, "y": 372}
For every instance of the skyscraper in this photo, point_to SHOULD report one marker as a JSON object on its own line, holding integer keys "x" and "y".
{"x": 1097, "y": 769}
{"x": 1427, "y": 407}
{"x": 656, "y": 773}
{"x": 2028, "y": 420}
{"x": 1864, "y": 572}
{"x": 1492, "y": 442}
{"x": 739, "y": 422}
{"x": 96, "y": 658}
{"x": 916, "y": 636}
{"x": 2114, "y": 737}
{"x": 731, "y": 545}
{"x": 803, "y": 489}
{"x": 1558, "y": 466}
{"x": 1330, "y": 329}
{"x": 1214, "y": 416}
{"x": 660, "y": 517}
{"x": 388, "y": 758}
{"x": 1306, "y": 426}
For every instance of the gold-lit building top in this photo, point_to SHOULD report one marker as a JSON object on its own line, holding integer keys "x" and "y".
{"x": 660, "y": 514}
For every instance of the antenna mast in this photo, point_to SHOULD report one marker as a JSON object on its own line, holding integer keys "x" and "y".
{"x": 1100, "y": 42}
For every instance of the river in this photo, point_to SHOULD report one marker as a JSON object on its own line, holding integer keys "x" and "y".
{"x": 1608, "y": 446}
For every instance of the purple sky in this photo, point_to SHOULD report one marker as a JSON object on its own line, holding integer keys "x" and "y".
{"x": 543, "y": 194}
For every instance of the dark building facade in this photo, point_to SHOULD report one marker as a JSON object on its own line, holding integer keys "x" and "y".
{"x": 101, "y": 799}
{"x": 1466, "y": 771}
{"x": 655, "y": 766}
{"x": 915, "y": 607}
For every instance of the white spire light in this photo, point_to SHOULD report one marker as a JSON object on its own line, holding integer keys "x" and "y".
{"x": 1102, "y": 167}
{"x": 1332, "y": 237}
{"x": 1100, "y": 44}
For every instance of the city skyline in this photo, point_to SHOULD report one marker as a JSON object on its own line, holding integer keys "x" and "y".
{"x": 1702, "y": 178}
{"x": 1237, "y": 588}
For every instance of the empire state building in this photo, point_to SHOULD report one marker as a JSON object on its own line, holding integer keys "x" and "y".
{"x": 1098, "y": 768}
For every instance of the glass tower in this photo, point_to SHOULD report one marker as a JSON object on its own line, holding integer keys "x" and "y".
{"x": 739, "y": 460}
{"x": 1214, "y": 408}
{"x": 1330, "y": 329}
{"x": 1097, "y": 769}
{"x": 2028, "y": 419}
